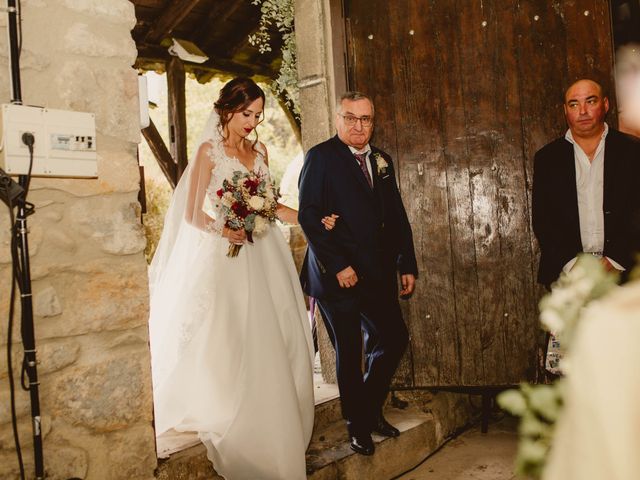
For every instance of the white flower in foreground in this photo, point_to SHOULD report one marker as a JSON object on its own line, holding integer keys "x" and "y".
{"x": 552, "y": 320}
{"x": 256, "y": 203}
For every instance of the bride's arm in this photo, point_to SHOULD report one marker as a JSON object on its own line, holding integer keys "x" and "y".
{"x": 288, "y": 214}
{"x": 200, "y": 177}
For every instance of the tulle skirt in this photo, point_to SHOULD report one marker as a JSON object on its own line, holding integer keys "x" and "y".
{"x": 232, "y": 356}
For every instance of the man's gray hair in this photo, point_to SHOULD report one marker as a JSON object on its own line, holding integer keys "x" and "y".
{"x": 353, "y": 96}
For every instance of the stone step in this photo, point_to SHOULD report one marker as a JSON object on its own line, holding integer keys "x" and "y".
{"x": 189, "y": 464}
{"x": 424, "y": 425}
{"x": 329, "y": 456}
{"x": 327, "y": 413}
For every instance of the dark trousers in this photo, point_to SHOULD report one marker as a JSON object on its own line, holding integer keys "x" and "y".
{"x": 372, "y": 315}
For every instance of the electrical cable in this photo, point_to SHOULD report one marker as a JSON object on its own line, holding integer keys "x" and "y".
{"x": 16, "y": 273}
{"x": 12, "y": 297}
{"x": 28, "y": 139}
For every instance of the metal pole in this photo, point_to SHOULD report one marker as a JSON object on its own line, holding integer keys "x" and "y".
{"x": 28, "y": 336}
{"x": 27, "y": 327}
{"x": 14, "y": 52}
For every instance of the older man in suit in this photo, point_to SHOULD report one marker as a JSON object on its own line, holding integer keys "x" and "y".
{"x": 585, "y": 189}
{"x": 353, "y": 269}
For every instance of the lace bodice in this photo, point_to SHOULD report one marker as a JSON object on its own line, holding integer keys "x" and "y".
{"x": 223, "y": 166}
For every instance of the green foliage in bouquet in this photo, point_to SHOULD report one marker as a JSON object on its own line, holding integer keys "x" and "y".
{"x": 539, "y": 406}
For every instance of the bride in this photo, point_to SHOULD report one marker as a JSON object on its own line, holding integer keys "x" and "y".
{"x": 231, "y": 348}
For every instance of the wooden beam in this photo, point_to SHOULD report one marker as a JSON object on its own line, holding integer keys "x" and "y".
{"x": 160, "y": 151}
{"x": 213, "y": 18}
{"x": 177, "y": 113}
{"x": 149, "y": 56}
{"x": 170, "y": 19}
{"x": 237, "y": 39}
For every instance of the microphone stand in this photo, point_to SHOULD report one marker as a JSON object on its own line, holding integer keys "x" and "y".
{"x": 20, "y": 237}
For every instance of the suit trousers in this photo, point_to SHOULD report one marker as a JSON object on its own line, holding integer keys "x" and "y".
{"x": 372, "y": 315}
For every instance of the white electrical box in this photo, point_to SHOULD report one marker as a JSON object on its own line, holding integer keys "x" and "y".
{"x": 65, "y": 142}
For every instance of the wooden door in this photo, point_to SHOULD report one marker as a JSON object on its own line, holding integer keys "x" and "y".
{"x": 465, "y": 92}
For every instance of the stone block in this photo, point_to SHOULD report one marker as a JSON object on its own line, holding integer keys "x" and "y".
{"x": 107, "y": 396}
{"x": 97, "y": 40}
{"x": 113, "y": 11}
{"x": 132, "y": 453}
{"x": 130, "y": 338}
{"x": 109, "y": 310}
{"x": 25, "y": 431}
{"x": 63, "y": 462}
{"x": 32, "y": 61}
{"x": 114, "y": 222}
{"x": 46, "y": 302}
{"x": 76, "y": 83}
{"x": 22, "y": 404}
{"x": 9, "y": 469}
{"x": 51, "y": 356}
{"x": 189, "y": 464}
{"x": 310, "y": 38}
{"x": 316, "y": 114}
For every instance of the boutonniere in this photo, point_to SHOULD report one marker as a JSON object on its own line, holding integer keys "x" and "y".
{"x": 381, "y": 164}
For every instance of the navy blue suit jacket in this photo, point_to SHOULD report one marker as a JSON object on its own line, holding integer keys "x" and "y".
{"x": 372, "y": 235}
{"x": 556, "y": 222}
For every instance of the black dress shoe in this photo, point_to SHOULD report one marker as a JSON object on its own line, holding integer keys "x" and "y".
{"x": 362, "y": 444}
{"x": 384, "y": 428}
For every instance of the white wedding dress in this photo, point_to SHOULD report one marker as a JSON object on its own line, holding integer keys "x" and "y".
{"x": 231, "y": 346}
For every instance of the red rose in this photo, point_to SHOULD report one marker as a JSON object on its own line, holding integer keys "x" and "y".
{"x": 220, "y": 193}
{"x": 240, "y": 210}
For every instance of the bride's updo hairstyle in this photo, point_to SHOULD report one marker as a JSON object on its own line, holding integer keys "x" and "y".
{"x": 236, "y": 96}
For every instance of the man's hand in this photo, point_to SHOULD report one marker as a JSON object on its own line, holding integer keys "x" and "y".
{"x": 408, "y": 284}
{"x": 330, "y": 221}
{"x": 347, "y": 278}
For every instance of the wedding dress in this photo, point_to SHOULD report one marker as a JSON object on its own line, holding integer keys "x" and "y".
{"x": 230, "y": 340}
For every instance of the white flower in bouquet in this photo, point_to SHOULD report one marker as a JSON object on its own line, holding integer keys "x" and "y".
{"x": 227, "y": 199}
{"x": 270, "y": 194}
{"x": 256, "y": 203}
{"x": 261, "y": 225}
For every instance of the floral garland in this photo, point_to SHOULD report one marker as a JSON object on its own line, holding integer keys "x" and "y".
{"x": 281, "y": 14}
{"x": 539, "y": 406}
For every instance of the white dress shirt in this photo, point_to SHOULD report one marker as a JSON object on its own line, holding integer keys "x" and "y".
{"x": 590, "y": 188}
{"x": 367, "y": 151}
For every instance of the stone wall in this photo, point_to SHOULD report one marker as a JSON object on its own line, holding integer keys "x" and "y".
{"x": 86, "y": 241}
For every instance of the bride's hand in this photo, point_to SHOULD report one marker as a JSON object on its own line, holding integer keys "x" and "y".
{"x": 235, "y": 236}
{"x": 330, "y": 221}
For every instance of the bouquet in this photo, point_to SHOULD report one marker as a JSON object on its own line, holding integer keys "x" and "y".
{"x": 248, "y": 201}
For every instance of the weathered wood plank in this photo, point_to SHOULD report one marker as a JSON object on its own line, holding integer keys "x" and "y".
{"x": 177, "y": 113}
{"x": 450, "y": 58}
{"x": 160, "y": 151}
{"x": 431, "y": 313}
{"x": 475, "y": 89}
{"x": 589, "y": 42}
{"x": 519, "y": 321}
{"x": 483, "y": 138}
{"x": 370, "y": 37}
{"x": 176, "y": 11}
{"x": 540, "y": 51}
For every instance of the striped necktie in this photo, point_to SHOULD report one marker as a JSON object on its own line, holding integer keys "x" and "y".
{"x": 362, "y": 158}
